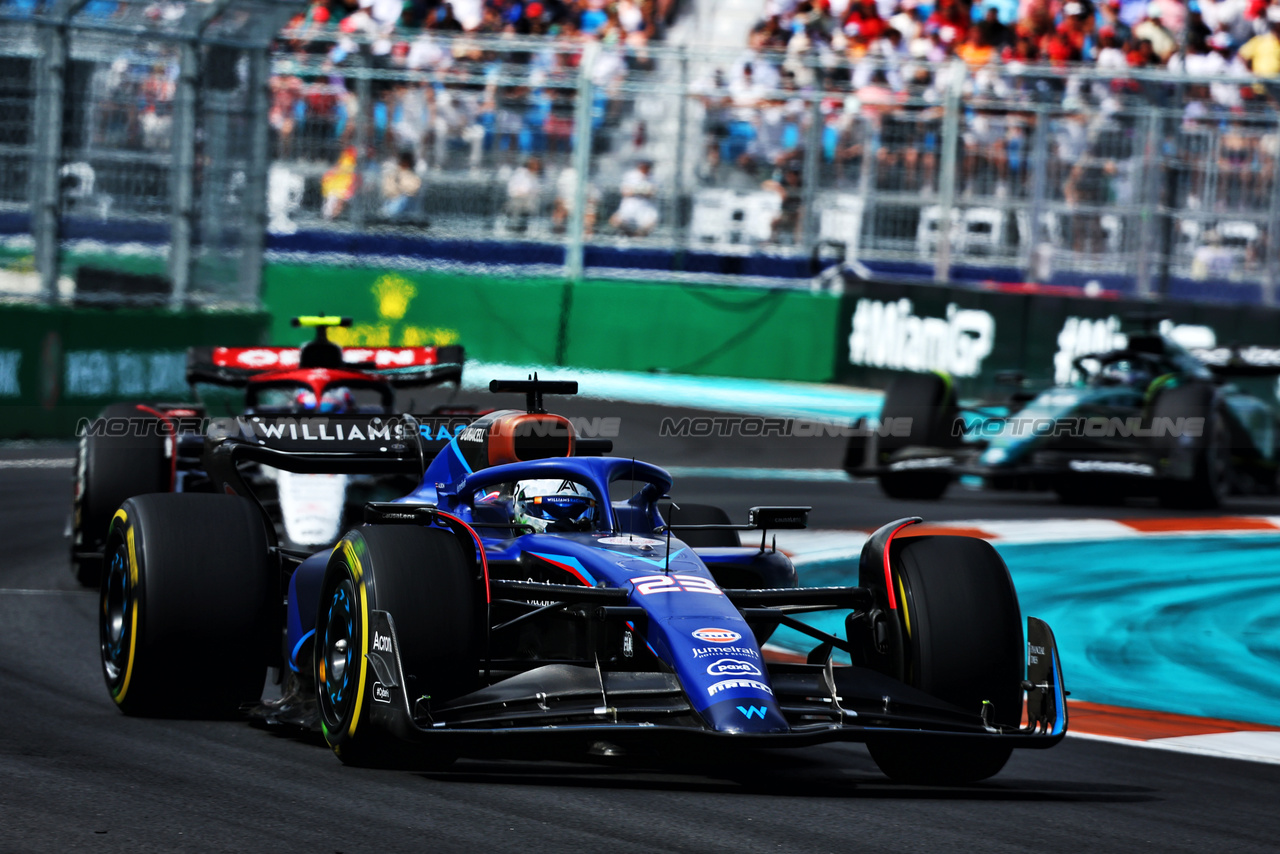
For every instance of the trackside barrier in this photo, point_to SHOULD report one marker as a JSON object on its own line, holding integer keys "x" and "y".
{"x": 606, "y": 325}
{"x": 972, "y": 334}
{"x": 58, "y": 365}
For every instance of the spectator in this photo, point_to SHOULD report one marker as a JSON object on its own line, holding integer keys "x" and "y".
{"x": 637, "y": 216}
{"x": 789, "y": 186}
{"x": 1261, "y": 54}
{"x": 1152, "y": 30}
{"x": 400, "y": 185}
{"x": 566, "y": 193}
{"x": 996, "y": 34}
{"x": 1110, "y": 19}
{"x": 524, "y": 191}
{"x": 339, "y": 185}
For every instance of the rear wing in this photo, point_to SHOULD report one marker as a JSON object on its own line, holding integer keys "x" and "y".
{"x": 399, "y": 367}
{"x": 1251, "y": 361}
{"x": 332, "y": 444}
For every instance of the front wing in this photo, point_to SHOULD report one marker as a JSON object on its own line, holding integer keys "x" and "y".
{"x": 560, "y": 707}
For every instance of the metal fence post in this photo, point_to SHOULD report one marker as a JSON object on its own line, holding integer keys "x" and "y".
{"x": 1150, "y": 190}
{"x": 867, "y": 188}
{"x": 1039, "y": 191}
{"x": 183, "y": 145}
{"x": 947, "y": 169}
{"x": 363, "y": 119}
{"x": 46, "y": 155}
{"x": 582, "y": 135}
{"x": 1271, "y": 271}
{"x": 253, "y": 231}
{"x": 183, "y": 160}
{"x": 677, "y": 185}
{"x": 809, "y": 179}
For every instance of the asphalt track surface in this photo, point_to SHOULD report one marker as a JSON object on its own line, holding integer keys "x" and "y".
{"x": 78, "y": 775}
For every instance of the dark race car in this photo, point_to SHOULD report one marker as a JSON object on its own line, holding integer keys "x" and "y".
{"x": 137, "y": 448}
{"x": 1151, "y": 418}
{"x": 529, "y": 599}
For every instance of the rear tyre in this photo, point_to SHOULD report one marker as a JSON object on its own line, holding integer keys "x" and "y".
{"x": 1210, "y": 452}
{"x": 928, "y": 400}
{"x": 424, "y": 580}
{"x": 963, "y": 643}
{"x": 109, "y": 469}
{"x": 186, "y": 605}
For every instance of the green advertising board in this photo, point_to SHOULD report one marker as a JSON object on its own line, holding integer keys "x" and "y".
{"x": 58, "y": 364}
{"x": 595, "y": 324}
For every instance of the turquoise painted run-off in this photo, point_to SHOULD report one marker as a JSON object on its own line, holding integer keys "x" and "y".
{"x": 1189, "y": 625}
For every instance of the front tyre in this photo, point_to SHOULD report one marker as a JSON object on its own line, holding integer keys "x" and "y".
{"x": 928, "y": 403}
{"x": 962, "y": 643}
{"x": 424, "y": 580}
{"x": 185, "y": 605}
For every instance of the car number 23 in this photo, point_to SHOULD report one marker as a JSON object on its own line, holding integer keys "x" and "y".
{"x": 673, "y": 584}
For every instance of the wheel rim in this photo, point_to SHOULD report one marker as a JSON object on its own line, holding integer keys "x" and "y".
{"x": 117, "y": 616}
{"x": 336, "y": 653}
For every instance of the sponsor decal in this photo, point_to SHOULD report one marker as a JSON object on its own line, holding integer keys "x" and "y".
{"x": 709, "y": 651}
{"x": 381, "y": 693}
{"x": 717, "y": 635}
{"x": 752, "y": 711}
{"x": 629, "y": 541}
{"x": 472, "y": 434}
{"x": 1084, "y": 336}
{"x": 890, "y": 335}
{"x": 647, "y": 584}
{"x": 102, "y": 373}
{"x": 381, "y": 643}
{"x": 1034, "y": 652}
{"x": 925, "y": 463}
{"x": 732, "y": 667}
{"x": 10, "y": 360}
{"x": 727, "y": 684}
{"x": 1111, "y": 467}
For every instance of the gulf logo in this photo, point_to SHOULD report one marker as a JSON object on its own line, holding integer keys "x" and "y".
{"x": 717, "y": 635}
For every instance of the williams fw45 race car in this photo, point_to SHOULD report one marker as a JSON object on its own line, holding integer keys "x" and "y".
{"x": 529, "y": 599}
{"x": 1150, "y": 418}
{"x": 138, "y": 448}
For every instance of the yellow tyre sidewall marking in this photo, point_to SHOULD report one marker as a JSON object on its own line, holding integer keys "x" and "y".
{"x": 357, "y": 573}
{"x": 119, "y": 694}
{"x": 902, "y": 605}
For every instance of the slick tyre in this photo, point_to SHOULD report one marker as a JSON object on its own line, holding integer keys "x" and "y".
{"x": 109, "y": 469}
{"x": 186, "y": 605}
{"x": 963, "y": 643}
{"x": 928, "y": 400}
{"x": 423, "y": 579}
{"x": 1210, "y": 462}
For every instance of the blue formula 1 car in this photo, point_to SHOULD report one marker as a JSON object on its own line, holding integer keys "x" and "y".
{"x": 530, "y": 599}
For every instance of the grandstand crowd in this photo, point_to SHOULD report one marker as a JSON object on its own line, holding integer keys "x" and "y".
{"x": 872, "y": 74}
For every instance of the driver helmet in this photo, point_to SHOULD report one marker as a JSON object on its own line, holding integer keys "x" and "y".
{"x": 554, "y": 505}
{"x": 339, "y": 399}
{"x": 1124, "y": 373}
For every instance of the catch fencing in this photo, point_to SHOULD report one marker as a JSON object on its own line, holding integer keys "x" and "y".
{"x": 182, "y": 149}
{"x": 134, "y": 148}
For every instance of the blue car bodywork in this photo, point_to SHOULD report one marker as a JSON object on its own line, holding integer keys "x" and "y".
{"x": 687, "y": 652}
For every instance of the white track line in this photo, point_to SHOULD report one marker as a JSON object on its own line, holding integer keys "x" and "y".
{"x": 1245, "y": 746}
